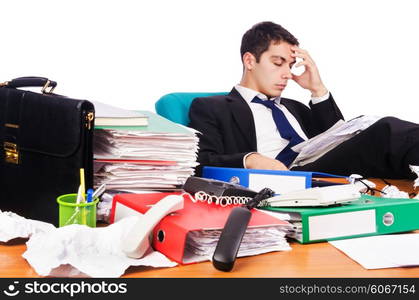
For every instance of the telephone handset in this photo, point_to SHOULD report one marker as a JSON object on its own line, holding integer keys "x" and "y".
{"x": 234, "y": 229}
{"x": 216, "y": 187}
{"x": 137, "y": 241}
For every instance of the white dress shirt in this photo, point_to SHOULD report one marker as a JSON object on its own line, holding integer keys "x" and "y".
{"x": 268, "y": 140}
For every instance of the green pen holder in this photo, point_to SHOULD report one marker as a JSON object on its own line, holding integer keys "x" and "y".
{"x": 71, "y": 212}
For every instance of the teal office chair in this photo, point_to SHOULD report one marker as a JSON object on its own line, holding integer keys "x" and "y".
{"x": 175, "y": 106}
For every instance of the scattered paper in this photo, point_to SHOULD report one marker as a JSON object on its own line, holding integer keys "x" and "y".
{"x": 382, "y": 251}
{"x": 391, "y": 191}
{"x": 415, "y": 169}
{"x": 103, "y": 210}
{"x": 14, "y": 226}
{"x": 94, "y": 252}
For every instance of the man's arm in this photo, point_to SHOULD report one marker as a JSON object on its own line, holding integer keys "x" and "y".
{"x": 259, "y": 161}
{"x": 310, "y": 78}
{"x": 324, "y": 114}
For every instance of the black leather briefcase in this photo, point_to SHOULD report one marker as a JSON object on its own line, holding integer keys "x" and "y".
{"x": 45, "y": 140}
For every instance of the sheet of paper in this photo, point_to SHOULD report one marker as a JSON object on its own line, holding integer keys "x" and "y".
{"x": 14, "y": 226}
{"x": 382, "y": 251}
{"x": 103, "y": 110}
{"x": 94, "y": 252}
{"x": 76, "y": 250}
{"x": 392, "y": 191}
{"x": 340, "y": 132}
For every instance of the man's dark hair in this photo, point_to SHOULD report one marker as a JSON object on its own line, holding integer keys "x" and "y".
{"x": 258, "y": 38}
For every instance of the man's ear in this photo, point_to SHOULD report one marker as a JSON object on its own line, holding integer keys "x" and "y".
{"x": 249, "y": 61}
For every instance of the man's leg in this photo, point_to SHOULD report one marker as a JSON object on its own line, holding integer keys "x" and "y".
{"x": 384, "y": 150}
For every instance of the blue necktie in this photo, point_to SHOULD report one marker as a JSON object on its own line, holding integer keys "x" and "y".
{"x": 286, "y": 156}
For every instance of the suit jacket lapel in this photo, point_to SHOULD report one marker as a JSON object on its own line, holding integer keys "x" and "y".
{"x": 243, "y": 117}
{"x": 293, "y": 109}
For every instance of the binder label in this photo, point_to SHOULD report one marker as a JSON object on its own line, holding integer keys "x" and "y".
{"x": 344, "y": 224}
{"x": 279, "y": 184}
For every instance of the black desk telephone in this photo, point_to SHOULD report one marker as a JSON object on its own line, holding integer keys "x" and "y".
{"x": 216, "y": 187}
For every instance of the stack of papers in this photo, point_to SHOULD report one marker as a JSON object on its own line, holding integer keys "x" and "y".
{"x": 295, "y": 231}
{"x": 255, "y": 241}
{"x": 160, "y": 156}
{"x": 317, "y": 146}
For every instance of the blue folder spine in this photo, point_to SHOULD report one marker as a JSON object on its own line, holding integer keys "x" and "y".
{"x": 226, "y": 174}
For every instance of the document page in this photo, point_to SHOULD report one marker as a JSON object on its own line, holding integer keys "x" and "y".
{"x": 317, "y": 146}
{"x": 382, "y": 251}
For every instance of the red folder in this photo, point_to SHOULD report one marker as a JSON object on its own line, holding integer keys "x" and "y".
{"x": 169, "y": 236}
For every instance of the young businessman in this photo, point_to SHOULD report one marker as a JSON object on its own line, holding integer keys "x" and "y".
{"x": 253, "y": 127}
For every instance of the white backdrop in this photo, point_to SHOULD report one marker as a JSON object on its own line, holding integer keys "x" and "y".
{"x": 130, "y": 53}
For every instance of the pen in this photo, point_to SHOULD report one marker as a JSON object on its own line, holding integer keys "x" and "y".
{"x": 99, "y": 191}
{"x": 83, "y": 189}
{"x": 79, "y": 197}
{"x": 89, "y": 195}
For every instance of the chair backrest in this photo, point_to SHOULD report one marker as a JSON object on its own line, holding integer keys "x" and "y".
{"x": 175, "y": 106}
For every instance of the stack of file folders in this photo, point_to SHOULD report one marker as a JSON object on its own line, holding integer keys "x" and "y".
{"x": 366, "y": 216}
{"x": 158, "y": 156}
{"x": 191, "y": 234}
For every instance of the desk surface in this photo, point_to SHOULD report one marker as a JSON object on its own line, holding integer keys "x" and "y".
{"x": 311, "y": 260}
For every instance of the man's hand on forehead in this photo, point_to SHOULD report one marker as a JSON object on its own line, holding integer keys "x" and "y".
{"x": 306, "y": 59}
{"x": 310, "y": 78}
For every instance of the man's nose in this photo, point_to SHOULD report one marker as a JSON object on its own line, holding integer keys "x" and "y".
{"x": 287, "y": 74}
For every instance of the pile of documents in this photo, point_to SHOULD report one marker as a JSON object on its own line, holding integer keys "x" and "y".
{"x": 314, "y": 148}
{"x": 255, "y": 241}
{"x": 369, "y": 215}
{"x": 159, "y": 156}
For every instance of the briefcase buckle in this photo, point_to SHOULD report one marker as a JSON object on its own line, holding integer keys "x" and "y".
{"x": 11, "y": 153}
{"x": 47, "y": 85}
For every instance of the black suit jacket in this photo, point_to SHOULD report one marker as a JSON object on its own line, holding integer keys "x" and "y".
{"x": 228, "y": 128}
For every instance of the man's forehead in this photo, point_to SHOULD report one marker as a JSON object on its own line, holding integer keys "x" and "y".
{"x": 281, "y": 51}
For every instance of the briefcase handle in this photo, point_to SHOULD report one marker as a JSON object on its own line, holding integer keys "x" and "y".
{"x": 31, "y": 81}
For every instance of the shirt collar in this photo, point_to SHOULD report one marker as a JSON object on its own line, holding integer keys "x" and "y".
{"x": 249, "y": 94}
